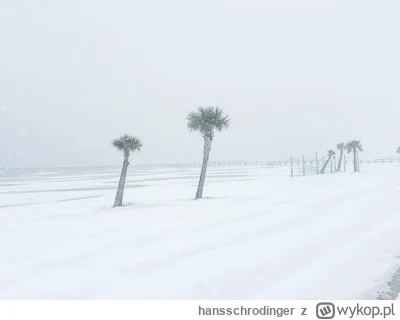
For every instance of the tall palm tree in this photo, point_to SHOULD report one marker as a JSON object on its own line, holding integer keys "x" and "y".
{"x": 206, "y": 121}
{"x": 127, "y": 145}
{"x": 330, "y": 154}
{"x": 340, "y": 146}
{"x": 354, "y": 146}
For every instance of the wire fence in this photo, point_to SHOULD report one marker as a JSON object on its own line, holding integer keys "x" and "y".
{"x": 303, "y": 167}
{"x": 320, "y": 165}
{"x": 386, "y": 160}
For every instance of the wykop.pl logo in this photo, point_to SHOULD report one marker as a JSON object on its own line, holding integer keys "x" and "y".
{"x": 325, "y": 310}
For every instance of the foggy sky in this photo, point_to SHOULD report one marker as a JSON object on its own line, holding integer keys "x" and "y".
{"x": 295, "y": 77}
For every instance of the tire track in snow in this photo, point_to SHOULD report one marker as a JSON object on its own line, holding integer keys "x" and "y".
{"x": 291, "y": 270}
{"x": 254, "y": 278}
{"x": 248, "y": 235}
{"x": 304, "y": 206}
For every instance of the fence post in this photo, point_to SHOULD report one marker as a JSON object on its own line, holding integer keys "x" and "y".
{"x": 316, "y": 161}
{"x": 291, "y": 166}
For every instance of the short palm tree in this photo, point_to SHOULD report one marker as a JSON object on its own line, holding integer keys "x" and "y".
{"x": 340, "y": 146}
{"x": 354, "y": 146}
{"x": 331, "y": 153}
{"x": 127, "y": 145}
{"x": 207, "y": 121}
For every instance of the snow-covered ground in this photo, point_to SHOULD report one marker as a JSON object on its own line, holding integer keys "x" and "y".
{"x": 259, "y": 234}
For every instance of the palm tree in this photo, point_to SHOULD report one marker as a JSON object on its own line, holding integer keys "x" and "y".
{"x": 334, "y": 163}
{"x": 127, "y": 145}
{"x": 206, "y": 121}
{"x": 330, "y": 154}
{"x": 340, "y": 146}
{"x": 355, "y": 146}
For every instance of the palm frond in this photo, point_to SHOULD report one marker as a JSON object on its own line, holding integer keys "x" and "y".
{"x": 118, "y": 143}
{"x": 354, "y": 145}
{"x": 208, "y": 119}
{"x": 127, "y": 144}
{"x": 331, "y": 152}
{"x": 194, "y": 120}
{"x": 340, "y": 146}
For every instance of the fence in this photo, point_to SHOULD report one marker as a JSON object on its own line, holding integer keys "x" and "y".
{"x": 303, "y": 167}
{"x": 297, "y": 163}
{"x": 266, "y": 164}
{"x": 386, "y": 160}
{"x": 298, "y": 166}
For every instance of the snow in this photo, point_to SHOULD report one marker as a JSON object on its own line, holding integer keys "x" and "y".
{"x": 258, "y": 234}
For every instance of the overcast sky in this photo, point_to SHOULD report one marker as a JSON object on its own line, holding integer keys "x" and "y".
{"x": 295, "y": 77}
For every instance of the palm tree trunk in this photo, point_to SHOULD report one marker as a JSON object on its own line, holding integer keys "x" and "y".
{"x": 344, "y": 162}
{"x": 324, "y": 166}
{"x": 121, "y": 185}
{"x": 340, "y": 160}
{"x": 206, "y": 154}
{"x": 355, "y": 160}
